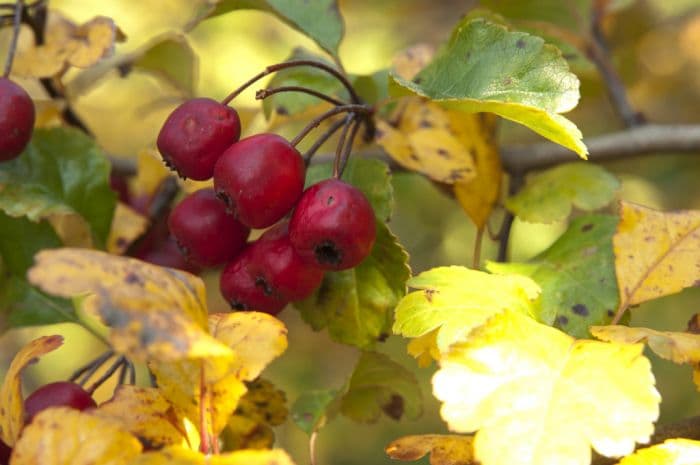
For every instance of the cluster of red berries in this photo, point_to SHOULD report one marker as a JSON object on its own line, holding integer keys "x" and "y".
{"x": 17, "y": 116}
{"x": 258, "y": 181}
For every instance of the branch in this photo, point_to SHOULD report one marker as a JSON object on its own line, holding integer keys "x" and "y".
{"x": 640, "y": 140}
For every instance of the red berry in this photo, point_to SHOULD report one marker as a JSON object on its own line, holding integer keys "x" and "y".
{"x": 244, "y": 289}
{"x": 120, "y": 186}
{"x": 16, "y": 119}
{"x": 58, "y": 394}
{"x": 333, "y": 225}
{"x": 165, "y": 252}
{"x": 260, "y": 179}
{"x": 5, "y": 452}
{"x": 206, "y": 234}
{"x": 196, "y": 134}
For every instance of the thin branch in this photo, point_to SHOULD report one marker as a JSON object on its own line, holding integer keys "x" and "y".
{"x": 347, "y": 149}
{"x": 16, "y": 23}
{"x": 321, "y": 140}
{"x": 641, "y": 140}
{"x": 514, "y": 185}
{"x": 333, "y": 111}
{"x": 264, "y": 93}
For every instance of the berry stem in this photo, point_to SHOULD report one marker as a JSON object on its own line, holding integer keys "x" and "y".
{"x": 348, "y": 146}
{"x": 321, "y": 140}
{"x": 88, "y": 370}
{"x": 118, "y": 363}
{"x": 341, "y": 144}
{"x": 352, "y": 108}
{"x": 264, "y": 93}
{"x": 17, "y": 21}
{"x": 291, "y": 64}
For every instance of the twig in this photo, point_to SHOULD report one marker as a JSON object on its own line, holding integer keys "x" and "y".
{"x": 516, "y": 182}
{"x": 478, "y": 240}
{"x": 641, "y": 140}
{"x": 341, "y": 144}
{"x": 91, "y": 367}
{"x": 118, "y": 363}
{"x": 348, "y": 146}
{"x": 333, "y": 111}
{"x": 16, "y": 22}
{"x": 321, "y": 140}
{"x": 264, "y": 93}
{"x": 312, "y": 447}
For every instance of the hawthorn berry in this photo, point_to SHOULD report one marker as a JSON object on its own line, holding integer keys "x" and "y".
{"x": 58, "y": 394}
{"x": 16, "y": 119}
{"x": 260, "y": 178}
{"x": 195, "y": 135}
{"x": 165, "y": 252}
{"x": 205, "y": 233}
{"x": 333, "y": 225}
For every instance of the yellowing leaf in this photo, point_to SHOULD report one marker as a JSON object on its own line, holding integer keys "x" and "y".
{"x": 479, "y": 195}
{"x": 675, "y": 346}
{"x": 67, "y": 44}
{"x": 672, "y": 452}
{"x": 443, "y": 449}
{"x": 62, "y": 436}
{"x": 11, "y": 401}
{"x": 656, "y": 253}
{"x": 127, "y": 226}
{"x": 153, "y": 313}
{"x": 424, "y": 348}
{"x": 150, "y": 173}
{"x": 538, "y": 396}
{"x": 409, "y": 62}
{"x": 145, "y": 413}
{"x": 430, "y": 140}
{"x": 257, "y": 338}
{"x": 180, "y": 456}
{"x": 173, "y": 455}
{"x": 454, "y": 300}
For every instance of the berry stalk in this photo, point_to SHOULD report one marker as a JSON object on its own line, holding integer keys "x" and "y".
{"x": 17, "y": 21}
{"x": 348, "y": 146}
{"x": 347, "y": 122}
{"x": 321, "y": 140}
{"x": 351, "y": 108}
{"x": 264, "y": 93}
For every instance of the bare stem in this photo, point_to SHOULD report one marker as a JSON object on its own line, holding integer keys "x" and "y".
{"x": 321, "y": 140}
{"x": 16, "y": 23}
{"x": 90, "y": 369}
{"x": 478, "y": 240}
{"x": 312, "y": 447}
{"x": 341, "y": 144}
{"x": 107, "y": 374}
{"x": 333, "y": 111}
{"x": 514, "y": 186}
{"x": 264, "y": 93}
{"x": 347, "y": 149}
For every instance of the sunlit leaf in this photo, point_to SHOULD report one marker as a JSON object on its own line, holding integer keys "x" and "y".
{"x": 443, "y": 449}
{"x": 313, "y": 409}
{"x": 355, "y": 305}
{"x": 486, "y": 68}
{"x": 672, "y": 452}
{"x": 454, "y": 300}
{"x": 576, "y": 274}
{"x": 536, "y": 395}
{"x": 127, "y": 226}
{"x": 63, "y": 436}
{"x": 175, "y": 455}
{"x": 150, "y": 173}
{"x": 380, "y": 385}
{"x": 424, "y": 348}
{"x": 68, "y": 44}
{"x": 145, "y": 413}
{"x": 656, "y": 253}
{"x": 318, "y": 19}
{"x": 61, "y": 172}
{"x": 549, "y": 196}
{"x": 11, "y": 400}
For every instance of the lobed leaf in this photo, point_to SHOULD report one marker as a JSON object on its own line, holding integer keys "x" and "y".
{"x": 535, "y": 395}
{"x": 443, "y": 449}
{"x": 678, "y": 451}
{"x": 178, "y": 455}
{"x": 314, "y": 409}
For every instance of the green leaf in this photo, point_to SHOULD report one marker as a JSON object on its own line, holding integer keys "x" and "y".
{"x": 550, "y": 195}
{"x": 285, "y": 103}
{"x": 314, "y": 409}
{"x": 455, "y": 300}
{"x": 577, "y": 275}
{"x": 355, "y": 305}
{"x": 371, "y": 176}
{"x": 320, "y": 20}
{"x": 372, "y": 88}
{"x": 20, "y": 239}
{"x": 380, "y": 385}
{"x": 62, "y": 172}
{"x": 486, "y": 68}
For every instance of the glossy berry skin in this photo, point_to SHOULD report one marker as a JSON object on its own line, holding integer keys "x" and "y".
{"x": 333, "y": 225}
{"x": 58, "y": 394}
{"x": 16, "y": 119}
{"x": 195, "y": 135}
{"x": 205, "y": 233}
{"x": 260, "y": 179}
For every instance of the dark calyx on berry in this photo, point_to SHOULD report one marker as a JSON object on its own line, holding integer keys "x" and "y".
{"x": 196, "y": 134}
{"x": 206, "y": 234}
{"x": 17, "y": 116}
{"x": 260, "y": 178}
{"x": 58, "y": 394}
{"x": 333, "y": 225}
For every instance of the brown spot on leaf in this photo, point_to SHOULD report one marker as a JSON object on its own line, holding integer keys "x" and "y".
{"x": 281, "y": 110}
{"x": 586, "y": 227}
{"x": 133, "y": 278}
{"x": 429, "y": 294}
{"x": 562, "y": 320}
{"x": 520, "y": 44}
{"x": 394, "y": 408}
{"x": 694, "y": 324}
{"x": 610, "y": 313}
{"x": 443, "y": 153}
{"x": 580, "y": 309}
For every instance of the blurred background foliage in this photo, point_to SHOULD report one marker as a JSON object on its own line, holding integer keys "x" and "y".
{"x": 656, "y": 49}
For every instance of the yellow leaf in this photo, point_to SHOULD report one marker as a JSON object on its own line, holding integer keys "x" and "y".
{"x": 63, "y": 436}
{"x": 150, "y": 173}
{"x": 180, "y": 456}
{"x": 430, "y": 140}
{"x": 479, "y": 195}
{"x": 443, "y": 449}
{"x": 672, "y": 452}
{"x": 256, "y": 338}
{"x": 146, "y": 414}
{"x": 153, "y": 313}
{"x": 11, "y": 402}
{"x": 67, "y": 44}
{"x": 656, "y": 253}
{"x": 424, "y": 348}
{"x": 538, "y": 396}
{"x": 173, "y": 455}
{"x": 409, "y": 62}
{"x": 127, "y": 226}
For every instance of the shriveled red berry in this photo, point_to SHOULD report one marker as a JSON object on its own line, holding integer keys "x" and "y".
{"x": 333, "y": 225}
{"x": 165, "y": 252}
{"x": 58, "y": 394}
{"x": 206, "y": 234}
{"x": 196, "y": 134}
{"x": 244, "y": 289}
{"x": 260, "y": 178}
{"x": 16, "y": 119}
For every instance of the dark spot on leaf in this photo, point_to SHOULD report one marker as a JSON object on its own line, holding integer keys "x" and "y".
{"x": 586, "y": 227}
{"x": 383, "y": 337}
{"x": 429, "y": 294}
{"x": 507, "y": 81}
{"x": 121, "y": 242}
{"x": 417, "y": 80}
{"x": 413, "y": 156}
{"x": 394, "y": 408}
{"x": 133, "y": 278}
{"x": 694, "y": 324}
{"x": 562, "y": 320}
{"x": 610, "y": 313}
{"x": 425, "y": 124}
{"x": 520, "y": 43}
{"x": 281, "y": 110}
{"x": 443, "y": 153}
{"x": 124, "y": 69}
{"x": 580, "y": 309}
